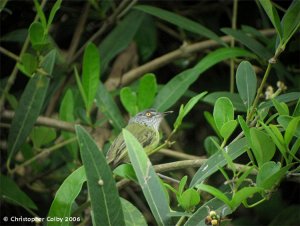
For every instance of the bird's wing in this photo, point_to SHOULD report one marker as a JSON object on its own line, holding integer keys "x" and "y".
{"x": 118, "y": 151}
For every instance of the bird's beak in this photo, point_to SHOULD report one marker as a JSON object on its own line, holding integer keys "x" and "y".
{"x": 167, "y": 112}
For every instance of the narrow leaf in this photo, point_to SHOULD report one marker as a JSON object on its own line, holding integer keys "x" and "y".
{"x": 108, "y": 107}
{"x": 120, "y": 37}
{"x": 65, "y": 196}
{"x": 29, "y": 107}
{"x": 178, "y": 85}
{"x": 53, "y": 11}
{"x": 105, "y": 201}
{"x": 40, "y": 13}
{"x": 10, "y": 192}
{"x": 217, "y": 161}
{"x": 148, "y": 180}
{"x": 90, "y": 73}
{"x": 132, "y": 215}
{"x": 181, "y": 22}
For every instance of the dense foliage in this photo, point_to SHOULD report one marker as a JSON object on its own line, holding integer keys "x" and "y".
{"x": 73, "y": 72}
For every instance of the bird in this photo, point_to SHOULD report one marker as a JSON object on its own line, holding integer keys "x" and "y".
{"x": 145, "y": 127}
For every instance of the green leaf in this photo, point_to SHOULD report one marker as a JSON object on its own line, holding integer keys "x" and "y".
{"x": 80, "y": 87}
{"x": 262, "y": 146}
{"x": 66, "y": 113}
{"x": 125, "y": 171}
{"x": 148, "y": 180}
{"x": 182, "y": 184}
{"x": 120, "y": 37}
{"x": 178, "y": 85}
{"x": 40, "y": 14}
{"x": 272, "y": 14}
{"x": 255, "y": 46}
{"x": 246, "y": 83}
{"x": 146, "y": 91}
{"x": 287, "y": 97}
{"x": 233, "y": 97}
{"x": 293, "y": 126}
{"x": 29, "y": 106}
{"x": 42, "y": 135}
{"x": 291, "y": 21}
{"x": 242, "y": 195}
{"x": 215, "y": 192}
{"x": 281, "y": 108}
{"x": 17, "y": 35}
{"x": 146, "y": 38}
{"x": 267, "y": 170}
{"x": 223, "y": 112}
{"x": 30, "y": 63}
{"x": 129, "y": 100}
{"x": 108, "y": 107}
{"x": 189, "y": 199}
{"x": 210, "y": 145}
{"x": 217, "y": 161}
{"x": 53, "y": 11}
{"x": 36, "y": 33}
{"x": 90, "y": 73}
{"x": 132, "y": 215}
{"x": 210, "y": 119}
{"x": 105, "y": 201}
{"x": 181, "y": 22}
{"x": 228, "y": 128}
{"x": 187, "y": 108}
{"x": 271, "y": 175}
{"x": 285, "y": 120}
{"x": 297, "y": 109}
{"x": 10, "y": 192}
{"x": 65, "y": 197}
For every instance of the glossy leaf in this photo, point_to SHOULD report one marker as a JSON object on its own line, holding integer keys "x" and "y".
{"x": 53, "y": 11}
{"x": 129, "y": 100}
{"x": 285, "y": 120}
{"x": 30, "y": 63}
{"x": 228, "y": 128}
{"x": 146, "y": 91}
{"x": 223, "y": 112}
{"x": 65, "y": 197}
{"x": 217, "y": 161}
{"x": 148, "y": 180}
{"x": 181, "y": 22}
{"x": 281, "y": 107}
{"x": 66, "y": 113}
{"x": 120, "y": 37}
{"x": 108, "y": 107}
{"x": 242, "y": 195}
{"x": 246, "y": 83}
{"x": 125, "y": 171}
{"x": 189, "y": 199}
{"x": 187, "y": 108}
{"x": 249, "y": 42}
{"x": 29, "y": 106}
{"x": 42, "y": 135}
{"x": 273, "y": 15}
{"x": 132, "y": 216}
{"x": 291, "y": 21}
{"x": 292, "y": 128}
{"x": 178, "y": 85}
{"x": 10, "y": 192}
{"x": 90, "y": 73}
{"x": 40, "y": 13}
{"x": 105, "y": 201}
{"x": 235, "y": 98}
{"x": 287, "y": 97}
{"x": 267, "y": 170}
{"x": 262, "y": 146}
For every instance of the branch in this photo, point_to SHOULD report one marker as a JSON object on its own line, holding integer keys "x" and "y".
{"x": 45, "y": 121}
{"x": 174, "y": 55}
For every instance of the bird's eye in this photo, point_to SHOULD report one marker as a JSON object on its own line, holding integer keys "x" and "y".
{"x": 148, "y": 114}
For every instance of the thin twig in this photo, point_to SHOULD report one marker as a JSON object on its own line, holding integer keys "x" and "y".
{"x": 174, "y": 55}
{"x": 45, "y": 121}
{"x": 13, "y": 75}
{"x": 233, "y": 26}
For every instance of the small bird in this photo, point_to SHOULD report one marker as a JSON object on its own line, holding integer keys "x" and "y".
{"x": 144, "y": 126}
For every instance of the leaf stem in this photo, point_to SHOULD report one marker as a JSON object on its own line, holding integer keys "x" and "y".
{"x": 232, "y": 42}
